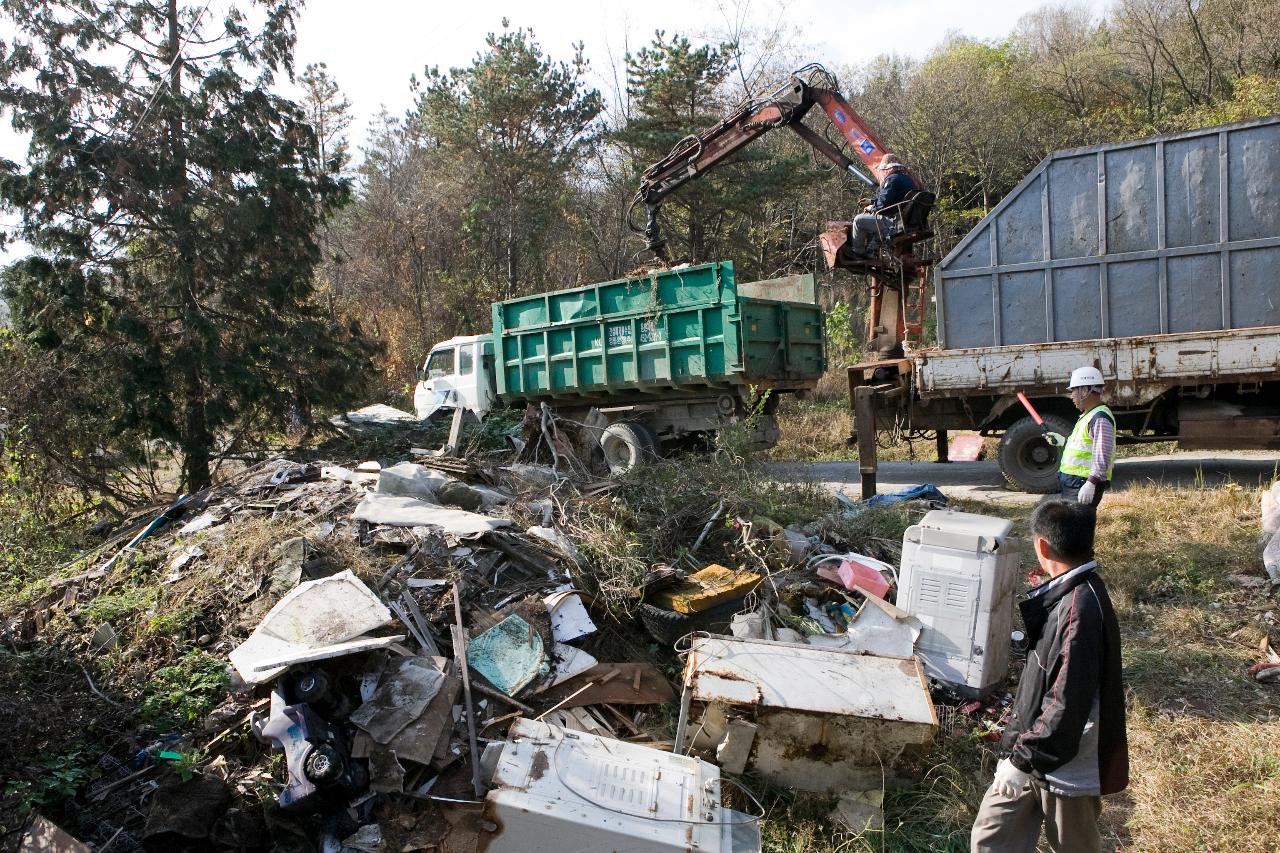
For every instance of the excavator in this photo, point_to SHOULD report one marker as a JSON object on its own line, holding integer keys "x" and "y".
{"x": 898, "y": 276}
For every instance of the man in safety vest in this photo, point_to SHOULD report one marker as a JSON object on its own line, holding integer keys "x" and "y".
{"x": 1089, "y": 455}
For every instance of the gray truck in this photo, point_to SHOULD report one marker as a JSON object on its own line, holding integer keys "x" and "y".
{"x": 1157, "y": 261}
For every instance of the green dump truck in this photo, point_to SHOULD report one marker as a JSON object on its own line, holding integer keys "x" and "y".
{"x": 665, "y": 358}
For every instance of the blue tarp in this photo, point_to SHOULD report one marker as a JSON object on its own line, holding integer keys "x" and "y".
{"x": 925, "y": 492}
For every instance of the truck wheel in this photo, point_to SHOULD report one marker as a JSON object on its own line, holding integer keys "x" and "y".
{"x": 627, "y": 445}
{"x": 1027, "y": 461}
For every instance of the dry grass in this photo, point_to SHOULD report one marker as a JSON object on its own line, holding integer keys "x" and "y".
{"x": 1203, "y": 784}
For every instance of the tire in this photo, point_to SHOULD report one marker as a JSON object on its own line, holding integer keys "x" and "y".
{"x": 668, "y": 626}
{"x": 626, "y": 446}
{"x": 323, "y": 765}
{"x": 1027, "y": 461}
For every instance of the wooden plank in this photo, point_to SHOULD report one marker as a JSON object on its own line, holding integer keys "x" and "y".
{"x": 619, "y": 690}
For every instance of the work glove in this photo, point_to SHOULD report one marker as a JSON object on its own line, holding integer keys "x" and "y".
{"x": 1087, "y": 491}
{"x": 1009, "y": 781}
{"x": 1057, "y": 439}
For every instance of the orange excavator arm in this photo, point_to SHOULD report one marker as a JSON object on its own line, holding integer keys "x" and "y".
{"x": 695, "y": 155}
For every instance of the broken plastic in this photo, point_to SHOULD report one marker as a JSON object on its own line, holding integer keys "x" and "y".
{"x": 411, "y": 480}
{"x": 569, "y": 617}
{"x": 316, "y": 620}
{"x": 396, "y": 511}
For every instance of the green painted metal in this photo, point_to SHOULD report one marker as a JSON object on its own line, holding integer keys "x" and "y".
{"x": 685, "y": 330}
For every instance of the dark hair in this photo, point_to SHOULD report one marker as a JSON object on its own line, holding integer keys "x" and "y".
{"x": 1068, "y": 528}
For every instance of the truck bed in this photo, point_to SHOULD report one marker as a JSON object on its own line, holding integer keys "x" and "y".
{"x": 676, "y": 332}
{"x": 1143, "y": 367}
{"x": 1167, "y": 235}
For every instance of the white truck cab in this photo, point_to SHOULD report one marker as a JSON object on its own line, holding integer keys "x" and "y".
{"x": 457, "y": 373}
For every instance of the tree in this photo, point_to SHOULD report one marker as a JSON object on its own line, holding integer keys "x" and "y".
{"x": 678, "y": 90}
{"x": 513, "y": 126}
{"x": 329, "y": 114}
{"x": 171, "y": 201}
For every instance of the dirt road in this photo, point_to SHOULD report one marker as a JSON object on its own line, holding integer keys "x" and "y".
{"x": 982, "y": 480}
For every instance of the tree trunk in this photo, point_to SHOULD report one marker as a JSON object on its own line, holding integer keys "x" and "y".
{"x": 196, "y": 442}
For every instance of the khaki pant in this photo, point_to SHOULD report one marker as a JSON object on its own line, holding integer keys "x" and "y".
{"x": 1013, "y": 825}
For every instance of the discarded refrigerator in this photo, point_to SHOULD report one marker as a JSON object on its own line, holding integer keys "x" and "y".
{"x": 804, "y": 717}
{"x": 958, "y": 577}
{"x": 561, "y": 791}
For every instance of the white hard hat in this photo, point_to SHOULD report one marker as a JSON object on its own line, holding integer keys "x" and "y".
{"x": 1085, "y": 377}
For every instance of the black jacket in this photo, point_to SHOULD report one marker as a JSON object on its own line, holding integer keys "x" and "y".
{"x": 1073, "y": 656}
{"x": 893, "y": 189}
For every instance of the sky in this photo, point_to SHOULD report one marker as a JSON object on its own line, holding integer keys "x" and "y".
{"x": 371, "y": 55}
{"x": 372, "y": 47}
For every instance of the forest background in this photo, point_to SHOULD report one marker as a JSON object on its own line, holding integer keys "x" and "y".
{"x": 211, "y": 262}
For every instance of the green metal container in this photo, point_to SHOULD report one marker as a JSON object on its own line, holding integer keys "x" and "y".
{"x": 683, "y": 331}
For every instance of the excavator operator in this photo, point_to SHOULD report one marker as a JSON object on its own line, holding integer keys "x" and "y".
{"x": 877, "y": 222}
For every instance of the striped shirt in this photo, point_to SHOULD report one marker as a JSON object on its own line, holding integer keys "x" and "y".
{"x": 1103, "y": 433}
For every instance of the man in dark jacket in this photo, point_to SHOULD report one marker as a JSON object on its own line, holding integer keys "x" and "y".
{"x": 878, "y": 222}
{"x": 1066, "y": 739}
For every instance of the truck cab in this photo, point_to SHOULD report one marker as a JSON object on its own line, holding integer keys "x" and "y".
{"x": 457, "y": 373}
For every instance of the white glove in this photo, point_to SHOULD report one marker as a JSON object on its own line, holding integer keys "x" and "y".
{"x": 1009, "y": 781}
{"x": 1087, "y": 492}
{"x": 1057, "y": 439}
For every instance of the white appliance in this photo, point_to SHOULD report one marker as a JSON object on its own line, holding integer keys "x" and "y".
{"x": 560, "y": 791}
{"x": 959, "y": 572}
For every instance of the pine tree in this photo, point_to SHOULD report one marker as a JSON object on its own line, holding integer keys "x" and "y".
{"x": 513, "y": 124}
{"x": 678, "y": 90}
{"x": 171, "y": 201}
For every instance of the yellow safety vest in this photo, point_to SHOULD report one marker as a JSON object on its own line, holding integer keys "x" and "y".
{"x": 1077, "y": 456}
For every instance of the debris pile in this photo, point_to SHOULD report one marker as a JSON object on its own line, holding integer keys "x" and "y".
{"x": 402, "y": 633}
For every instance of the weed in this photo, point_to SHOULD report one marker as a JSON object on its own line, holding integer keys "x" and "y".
{"x": 179, "y": 695}
{"x": 57, "y": 776}
{"x": 116, "y": 607}
{"x": 175, "y": 622}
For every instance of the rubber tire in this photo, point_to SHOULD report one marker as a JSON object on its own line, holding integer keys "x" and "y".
{"x": 306, "y": 686}
{"x": 1022, "y": 443}
{"x": 668, "y": 626}
{"x": 323, "y": 765}
{"x": 626, "y": 446}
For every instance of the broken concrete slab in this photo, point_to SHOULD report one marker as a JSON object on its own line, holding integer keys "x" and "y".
{"x": 510, "y": 655}
{"x": 861, "y": 811}
{"x": 410, "y": 480}
{"x": 292, "y": 553}
{"x": 406, "y": 687}
{"x": 311, "y": 620}
{"x": 397, "y": 511}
